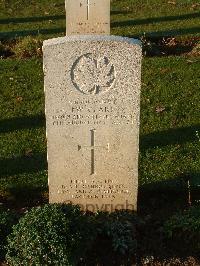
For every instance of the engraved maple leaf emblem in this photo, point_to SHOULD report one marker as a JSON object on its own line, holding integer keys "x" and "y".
{"x": 92, "y": 75}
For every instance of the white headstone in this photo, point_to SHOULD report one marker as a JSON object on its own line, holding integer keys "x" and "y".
{"x": 92, "y": 88}
{"x": 85, "y": 17}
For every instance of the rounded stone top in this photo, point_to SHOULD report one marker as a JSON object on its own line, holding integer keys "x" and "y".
{"x": 79, "y": 38}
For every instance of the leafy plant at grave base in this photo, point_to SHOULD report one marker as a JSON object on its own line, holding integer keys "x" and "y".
{"x": 28, "y": 47}
{"x": 50, "y": 235}
{"x": 183, "y": 230}
{"x": 120, "y": 228}
{"x": 7, "y": 220}
{"x": 149, "y": 47}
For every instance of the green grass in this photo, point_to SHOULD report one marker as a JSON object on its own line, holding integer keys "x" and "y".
{"x": 169, "y": 142}
{"x": 22, "y": 128}
{"x": 23, "y": 18}
{"x": 128, "y": 17}
{"x": 155, "y": 18}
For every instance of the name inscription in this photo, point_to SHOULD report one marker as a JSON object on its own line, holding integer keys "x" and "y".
{"x": 93, "y": 113}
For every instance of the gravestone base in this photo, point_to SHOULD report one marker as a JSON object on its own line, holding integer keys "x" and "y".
{"x": 92, "y": 91}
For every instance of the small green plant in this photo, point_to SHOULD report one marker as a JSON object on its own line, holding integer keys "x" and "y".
{"x": 49, "y": 235}
{"x": 7, "y": 220}
{"x": 120, "y": 228}
{"x": 183, "y": 229}
{"x": 28, "y": 47}
{"x": 148, "y": 46}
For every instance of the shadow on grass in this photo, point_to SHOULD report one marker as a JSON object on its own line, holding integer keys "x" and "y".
{"x": 169, "y": 137}
{"x": 18, "y": 123}
{"x": 23, "y": 33}
{"x": 24, "y": 164}
{"x": 169, "y": 33}
{"x": 135, "y": 22}
{"x": 22, "y": 195}
{"x": 163, "y": 197}
{"x": 30, "y": 19}
{"x": 157, "y": 202}
{"x": 165, "y": 33}
{"x": 169, "y": 195}
{"x": 113, "y": 12}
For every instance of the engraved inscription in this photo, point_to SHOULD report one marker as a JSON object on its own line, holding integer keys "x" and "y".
{"x": 94, "y": 112}
{"x": 91, "y": 75}
{"x": 88, "y": 28}
{"x": 93, "y": 147}
{"x": 94, "y": 189}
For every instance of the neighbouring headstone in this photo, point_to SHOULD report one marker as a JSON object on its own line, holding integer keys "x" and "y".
{"x": 85, "y": 17}
{"x": 92, "y": 90}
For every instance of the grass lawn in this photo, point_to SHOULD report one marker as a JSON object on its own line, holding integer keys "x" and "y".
{"x": 22, "y": 130}
{"x": 128, "y": 17}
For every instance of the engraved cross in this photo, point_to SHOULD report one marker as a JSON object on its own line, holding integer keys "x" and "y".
{"x": 92, "y": 147}
{"x": 88, "y": 7}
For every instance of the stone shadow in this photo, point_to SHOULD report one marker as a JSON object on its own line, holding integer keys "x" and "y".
{"x": 24, "y": 164}
{"x": 30, "y": 19}
{"x": 19, "y": 123}
{"x": 166, "y": 195}
{"x": 23, "y": 33}
{"x": 28, "y": 163}
{"x": 169, "y": 137}
{"x": 168, "y": 33}
{"x": 157, "y": 202}
{"x": 135, "y": 22}
{"x": 23, "y": 195}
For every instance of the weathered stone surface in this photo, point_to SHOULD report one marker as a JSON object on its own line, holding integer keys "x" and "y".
{"x": 85, "y": 17}
{"x": 92, "y": 90}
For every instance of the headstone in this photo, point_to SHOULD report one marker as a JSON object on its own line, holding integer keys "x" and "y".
{"x": 85, "y": 17}
{"x": 92, "y": 90}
